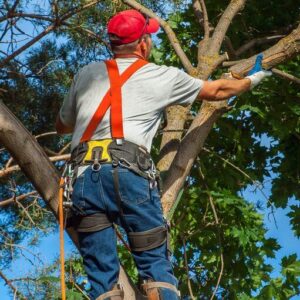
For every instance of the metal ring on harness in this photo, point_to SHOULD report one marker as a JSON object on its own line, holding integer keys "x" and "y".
{"x": 96, "y": 167}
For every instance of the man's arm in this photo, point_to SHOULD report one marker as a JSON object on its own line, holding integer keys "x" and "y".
{"x": 225, "y": 88}
{"x": 61, "y": 128}
{"x": 222, "y": 89}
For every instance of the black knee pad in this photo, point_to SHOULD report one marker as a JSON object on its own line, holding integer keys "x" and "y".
{"x": 147, "y": 240}
{"x": 90, "y": 223}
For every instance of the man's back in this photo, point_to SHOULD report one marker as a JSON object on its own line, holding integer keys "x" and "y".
{"x": 144, "y": 97}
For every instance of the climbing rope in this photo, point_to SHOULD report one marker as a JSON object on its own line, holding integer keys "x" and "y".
{"x": 61, "y": 239}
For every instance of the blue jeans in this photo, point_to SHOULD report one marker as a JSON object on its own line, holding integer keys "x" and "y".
{"x": 141, "y": 206}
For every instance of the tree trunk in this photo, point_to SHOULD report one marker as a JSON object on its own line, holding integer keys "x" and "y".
{"x": 40, "y": 171}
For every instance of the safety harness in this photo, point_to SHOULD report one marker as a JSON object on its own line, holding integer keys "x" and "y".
{"x": 118, "y": 152}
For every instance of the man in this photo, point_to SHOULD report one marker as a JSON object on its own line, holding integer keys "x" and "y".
{"x": 113, "y": 110}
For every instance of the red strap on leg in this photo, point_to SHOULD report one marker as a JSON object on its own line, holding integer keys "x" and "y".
{"x": 113, "y": 98}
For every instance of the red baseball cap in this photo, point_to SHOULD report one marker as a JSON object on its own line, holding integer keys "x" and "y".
{"x": 130, "y": 25}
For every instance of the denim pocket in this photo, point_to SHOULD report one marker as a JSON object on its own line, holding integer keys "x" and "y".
{"x": 133, "y": 188}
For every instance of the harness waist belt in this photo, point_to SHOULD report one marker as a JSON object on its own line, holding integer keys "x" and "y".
{"x": 108, "y": 151}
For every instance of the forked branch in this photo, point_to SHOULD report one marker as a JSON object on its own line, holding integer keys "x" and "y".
{"x": 168, "y": 30}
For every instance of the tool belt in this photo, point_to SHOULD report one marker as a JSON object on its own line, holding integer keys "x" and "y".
{"x": 127, "y": 154}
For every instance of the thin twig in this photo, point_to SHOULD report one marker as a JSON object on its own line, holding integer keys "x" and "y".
{"x": 64, "y": 149}
{"x": 187, "y": 268}
{"x": 26, "y": 15}
{"x": 56, "y": 23}
{"x": 15, "y": 290}
{"x": 26, "y": 212}
{"x": 25, "y": 249}
{"x": 78, "y": 10}
{"x": 81, "y": 291}
{"x": 254, "y": 182}
{"x": 286, "y": 76}
{"x": 119, "y": 235}
{"x": 47, "y": 64}
{"x": 91, "y": 34}
{"x": 9, "y": 162}
{"x": 45, "y": 134}
{"x": 6, "y": 172}
{"x": 49, "y": 29}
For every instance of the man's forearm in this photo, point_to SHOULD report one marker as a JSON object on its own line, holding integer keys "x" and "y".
{"x": 222, "y": 89}
{"x": 229, "y": 88}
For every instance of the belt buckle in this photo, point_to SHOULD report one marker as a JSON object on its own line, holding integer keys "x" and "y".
{"x": 96, "y": 144}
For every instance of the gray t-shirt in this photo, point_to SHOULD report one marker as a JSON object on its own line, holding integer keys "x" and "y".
{"x": 144, "y": 97}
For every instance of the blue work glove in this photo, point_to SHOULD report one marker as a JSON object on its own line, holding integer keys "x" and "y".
{"x": 257, "y": 73}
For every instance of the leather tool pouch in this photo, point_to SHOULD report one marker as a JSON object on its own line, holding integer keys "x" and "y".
{"x": 143, "y": 159}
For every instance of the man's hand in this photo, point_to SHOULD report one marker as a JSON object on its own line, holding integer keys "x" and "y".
{"x": 256, "y": 78}
{"x": 257, "y": 73}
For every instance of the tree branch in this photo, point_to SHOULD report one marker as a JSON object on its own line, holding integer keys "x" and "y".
{"x": 275, "y": 71}
{"x": 168, "y": 30}
{"x": 194, "y": 140}
{"x": 15, "y": 290}
{"x": 6, "y": 172}
{"x": 4, "y": 61}
{"x": 286, "y": 76}
{"x": 56, "y": 23}
{"x": 26, "y": 15}
{"x": 256, "y": 42}
{"x": 198, "y": 12}
{"x": 205, "y": 20}
{"x": 18, "y": 198}
{"x": 232, "y": 9}
{"x": 285, "y": 49}
{"x": 229, "y": 48}
{"x": 78, "y": 10}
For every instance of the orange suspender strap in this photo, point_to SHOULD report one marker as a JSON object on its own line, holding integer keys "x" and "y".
{"x": 113, "y": 98}
{"x": 116, "y": 100}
